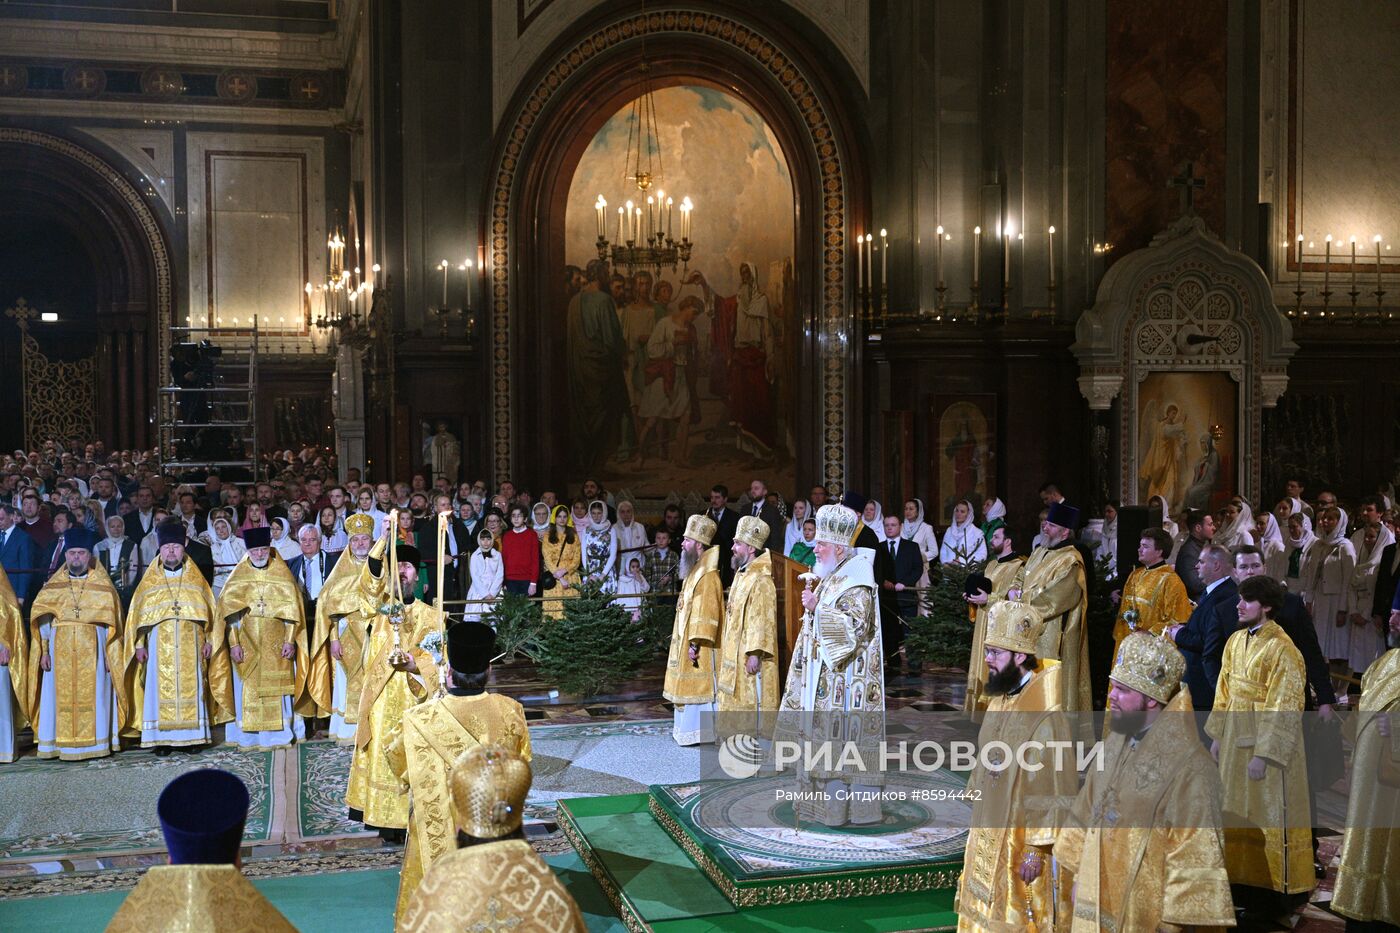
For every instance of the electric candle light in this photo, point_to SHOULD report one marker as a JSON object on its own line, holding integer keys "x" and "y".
{"x": 1052, "y": 255}
{"x": 629, "y": 222}
{"x": 1300, "y": 263}
{"x": 860, "y": 263}
{"x": 976, "y": 255}
{"x": 651, "y": 216}
{"x": 884, "y": 259}
{"x": 669, "y": 202}
{"x": 870, "y": 258}
{"x": 444, "y": 283}
{"x": 1006, "y": 256}
{"x": 1377, "y": 240}
{"x": 1327, "y": 264}
{"x": 637, "y": 223}
{"x": 1353, "y": 263}
{"x": 600, "y": 206}
{"x": 939, "y": 253}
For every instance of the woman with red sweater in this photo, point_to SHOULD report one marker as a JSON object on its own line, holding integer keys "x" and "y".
{"x": 520, "y": 552}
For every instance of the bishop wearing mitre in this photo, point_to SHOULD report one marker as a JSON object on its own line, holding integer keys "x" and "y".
{"x": 748, "y": 646}
{"x": 400, "y": 674}
{"x": 13, "y": 661}
{"x": 690, "y": 666}
{"x": 1143, "y": 838}
{"x": 176, "y": 663}
{"x": 75, "y": 643}
{"x": 344, "y": 614}
{"x": 262, "y": 608}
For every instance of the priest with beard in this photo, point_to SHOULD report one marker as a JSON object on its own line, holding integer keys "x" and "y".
{"x": 1143, "y": 839}
{"x": 985, "y": 590}
{"x": 1008, "y": 880}
{"x": 690, "y": 666}
{"x": 748, "y": 646}
{"x": 343, "y": 620}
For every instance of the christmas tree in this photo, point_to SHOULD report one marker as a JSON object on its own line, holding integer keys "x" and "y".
{"x": 594, "y": 646}
{"x": 517, "y": 620}
{"x": 943, "y": 637}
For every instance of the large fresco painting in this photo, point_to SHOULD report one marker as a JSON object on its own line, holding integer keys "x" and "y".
{"x": 684, "y": 378}
{"x": 1188, "y": 439}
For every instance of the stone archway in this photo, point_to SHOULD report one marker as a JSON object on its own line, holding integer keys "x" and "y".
{"x": 772, "y": 73}
{"x": 131, "y": 252}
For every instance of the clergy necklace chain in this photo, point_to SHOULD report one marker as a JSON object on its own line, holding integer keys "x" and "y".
{"x": 174, "y": 591}
{"x": 78, "y": 596}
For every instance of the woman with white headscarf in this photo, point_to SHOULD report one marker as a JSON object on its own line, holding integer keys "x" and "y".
{"x": 226, "y": 548}
{"x": 1326, "y": 582}
{"x": 1367, "y": 636}
{"x": 792, "y": 533}
{"x": 539, "y": 519}
{"x": 282, "y": 539}
{"x": 1236, "y": 528}
{"x": 1270, "y": 537}
{"x": 963, "y": 542}
{"x": 599, "y": 543}
{"x": 873, "y": 517}
{"x": 631, "y": 534}
{"x": 922, "y": 534}
{"x": 1295, "y": 553}
{"x": 1163, "y": 513}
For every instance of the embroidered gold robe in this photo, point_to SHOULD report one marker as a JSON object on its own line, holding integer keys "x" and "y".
{"x": 750, "y": 627}
{"x": 179, "y": 613}
{"x": 1157, "y": 596}
{"x": 699, "y": 616}
{"x": 1002, "y": 572}
{"x": 1018, "y": 810}
{"x": 182, "y": 898}
{"x": 1144, "y": 839}
{"x": 342, "y": 599}
{"x": 1052, "y": 580}
{"x": 421, "y": 756}
{"x": 262, "y": 609}
{"x": 13, "y": 676}
{"x": 1368, "y": 878}
{"x": 73, "y": 611}
{"x": 1258, "y": 711}
{"x": 491, "y": 886}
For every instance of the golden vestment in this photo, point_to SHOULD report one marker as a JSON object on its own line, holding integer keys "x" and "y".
{"x": 1143, "y": 838}
{"x": 263, "y": 610}
{"x": 185, "y": 898}
{"x": 421, "y": 755}
{"x": 1018, "y": 811}
{"x": 1368, "y": 878}
{"x": 1158, "y": 597}
{"x": 491, "y": 886}
{"x": 565, "y": 555}
{"x": 1052, "y": 580}
{"x": 1002, "y": 572}
{"x": 341, "y": 597}
{"x": 73, "y": 608}
{"x": 750, "y": 627}
{"x": 699, "y": 615}
{"x": 1258, "y": 711}
{"x": 12, "y": 637}
{"x": 179, "y": 612}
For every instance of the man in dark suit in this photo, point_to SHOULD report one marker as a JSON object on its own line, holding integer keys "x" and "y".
{"x": 311, "y": 568}
{"x": 759, "y": 507}
{"x": 1200, "y": 528}
{"x": 898, "y": 567}
{"x": 726, "y": 523}
{"x": 1387, "y": 585}
{"x": 188, "y": 514}
{"x": 141, "y": 520}
{"x": 18, "y": 556}
{"x": 198, "y": 552}
{"x": 1212, "y": 622}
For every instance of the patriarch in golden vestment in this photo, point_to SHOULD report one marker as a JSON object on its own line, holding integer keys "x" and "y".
{"x": 984, "y": 592}
{"x": 1154, "y": 598}
{"x": 175, "y": 651}
{"x": 201, "y": 816}
{"x": 1368, "y": 878}
{"x": 75, "y": 643}
{"x": 748, "y": 646}
{"x": 493, "y": 880}
{"x": 262, "y": 609}
{"x": 435, "y": 733}
{"x": 690, "y": 667}
{"x": 400, "y": 673}
{"x": 13, "y": 672}
{"x": 1257, "y": 732}
{"x": 344, "y": 614}
{"x": 1144, "y": 839}
{"x": 1008, "y": 881}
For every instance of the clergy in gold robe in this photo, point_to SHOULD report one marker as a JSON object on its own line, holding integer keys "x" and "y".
{"x": 261, "y": 606}
{"x": 176, "y": 663}
{"x": 400, "y": 674}
{"x": 344, "y": 615}
{"x": 13, "y": 670}
{"x": 75, "y": 643}
{"x": 434, "y": 734}
{"x": 1052, "y": 580}
{"x": 690, "y": 666}
{"x": 1008, "y": 881}
{"x": 1143, "y": 839}
{"x": 493, "y": 880}
{"x": 202, "y": 814}
{"x": 1368, "y": 877}
{"x": 748, "y": 645}
{"x": 1154, "y": 598}
{"x": 1257, "y": 732}
{"x": 999, "y": 573}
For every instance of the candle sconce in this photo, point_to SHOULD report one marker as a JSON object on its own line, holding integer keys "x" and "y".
{"x": 445, "y": 311}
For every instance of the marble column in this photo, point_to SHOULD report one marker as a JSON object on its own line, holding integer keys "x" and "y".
{"x": 348, "y": 405}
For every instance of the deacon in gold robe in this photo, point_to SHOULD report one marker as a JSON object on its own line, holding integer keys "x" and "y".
{"x": 262, "y": 607}
{"x": 1368, "y": 878}
{"x": 436, "y": 733}
{"x": 202, "y": 814}
{"x": 176, "y": 663}
{"x": 493, "y": 880}
{"x": 1143, "y": 839}
{"x": 13, "y": 670}
{"x": 400, "y": 674}
{"x": 1154, "y": 598}
{"x": 690, "y": 667}
{"x": 836, "y": 682}
{"x": 1052, "y": 581}
{"x": 1008, "y": 881}
{"x": 343, "y": 619}
{"x": 999, "y": 573}
{"x": 1257, "y": 732}
{"x": 75, "y": 643}
{"x": 748, "y": 646}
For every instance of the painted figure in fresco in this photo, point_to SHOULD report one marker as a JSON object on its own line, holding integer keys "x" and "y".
{"x": 1164, "y": 451}
{"x": 597, "y": 393}
{"x": 741, "y": 369}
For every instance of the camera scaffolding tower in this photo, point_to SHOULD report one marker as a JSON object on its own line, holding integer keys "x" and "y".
{"x": 209, "y": 412}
